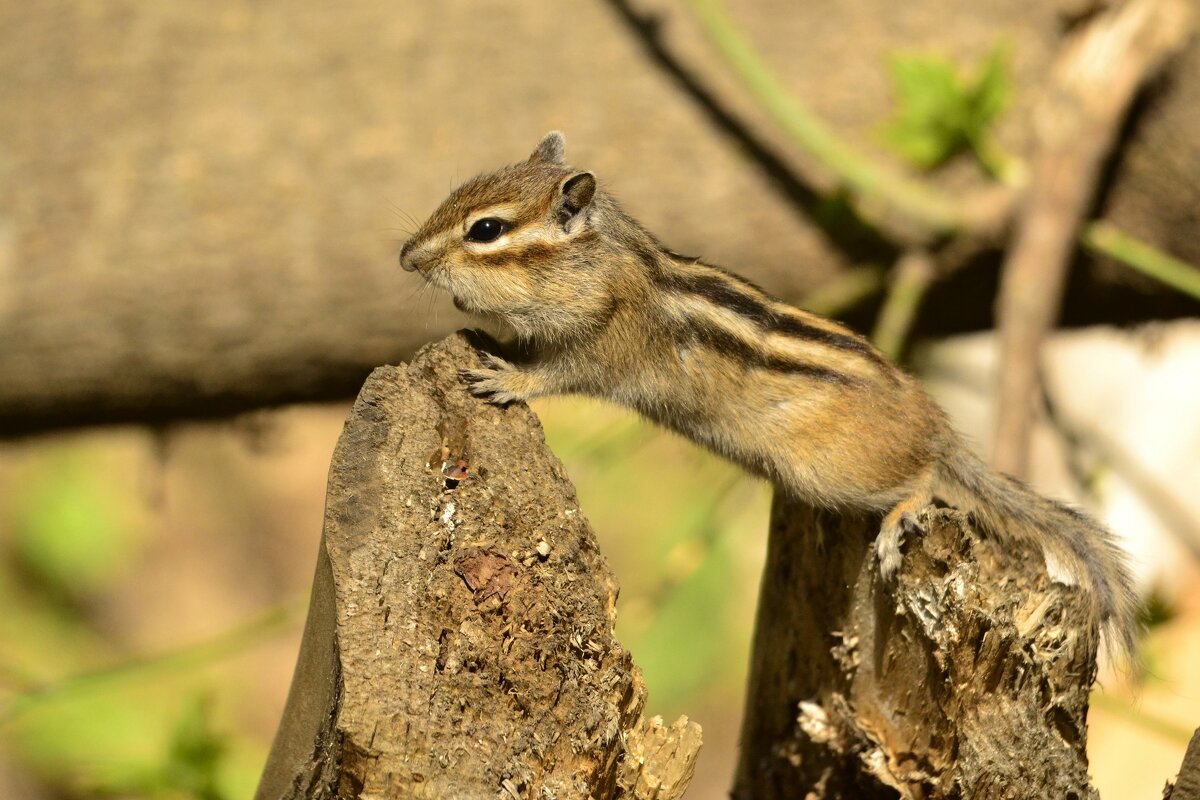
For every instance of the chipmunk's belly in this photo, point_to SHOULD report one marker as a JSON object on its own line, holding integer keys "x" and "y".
{"x": 808, "y": 443}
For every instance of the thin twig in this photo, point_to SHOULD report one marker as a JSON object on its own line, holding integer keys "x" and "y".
{"x": 859, "y": 174}
{"x": 911, "y": 278}
{"x": 1089, "y": 91}
{"x": 859, "y": 171}
{"x": 854, "y": 236}
{"x": 1103, "y": 238}
{"x": 848, "y": 289}
{"x": 1143, "y": 719}
{"x": 247, "y": 634}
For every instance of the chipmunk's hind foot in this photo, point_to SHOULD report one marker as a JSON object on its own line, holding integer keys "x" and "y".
{"x": 902, "y": 522}
{"x": 891, "y": 538}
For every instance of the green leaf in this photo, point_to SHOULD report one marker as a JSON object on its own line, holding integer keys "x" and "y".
{"x": 991, "y": 92}
{"x": 940, "y": 112}
{"x": 924, "y": 128}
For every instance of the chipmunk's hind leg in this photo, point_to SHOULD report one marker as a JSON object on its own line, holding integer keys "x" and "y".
{"x": 902, "y": 521}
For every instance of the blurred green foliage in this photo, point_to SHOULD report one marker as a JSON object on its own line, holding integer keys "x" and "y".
{"x": 79, "y": 710}
{"x": 71, "y": 531}
{"x": 156, "y": 741}
{"x": 942, "y": 110}
{"x": 195, "y": 755}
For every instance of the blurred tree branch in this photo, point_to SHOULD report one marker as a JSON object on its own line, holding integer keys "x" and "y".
{"x": 911, "y": 278}
{"x": 883, "y": 195}
{"x": 1088, "y": 93}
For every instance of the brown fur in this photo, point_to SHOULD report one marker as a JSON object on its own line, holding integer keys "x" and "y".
{"x": 601, "y": 308}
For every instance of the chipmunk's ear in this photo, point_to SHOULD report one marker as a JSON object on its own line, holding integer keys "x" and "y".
{"x": 551, "y": 149}
{"x": 574, "y": 197}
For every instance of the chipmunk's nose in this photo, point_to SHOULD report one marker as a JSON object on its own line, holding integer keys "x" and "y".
{"x": 405, "y": 262}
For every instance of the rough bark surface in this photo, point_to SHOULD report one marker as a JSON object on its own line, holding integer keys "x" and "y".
{"x": 460, "y": 639}
{"x": 967, "y": 677}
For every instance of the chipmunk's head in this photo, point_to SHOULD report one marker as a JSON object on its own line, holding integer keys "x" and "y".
{"x": 519, "y": 244}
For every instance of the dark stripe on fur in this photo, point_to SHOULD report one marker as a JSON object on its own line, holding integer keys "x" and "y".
{"x": 648, "y": 256}
{"x": 529, "y": 255}
{"x": 605, "y": 318}
{"x": 722, "y": 341}
{"x": 723, "y": 292}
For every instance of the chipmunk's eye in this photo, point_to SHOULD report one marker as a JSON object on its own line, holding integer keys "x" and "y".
{"x": 487, "y": 229}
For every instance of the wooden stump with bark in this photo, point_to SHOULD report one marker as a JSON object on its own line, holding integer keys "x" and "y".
{"x": 460, "y": 637}
{"x": 966, "y": 676}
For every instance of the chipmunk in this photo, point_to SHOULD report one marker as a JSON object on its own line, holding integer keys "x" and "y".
{"x": 602, "y": 308}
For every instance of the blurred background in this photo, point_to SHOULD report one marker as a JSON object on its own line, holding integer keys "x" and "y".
{"x": 200, "y": 210}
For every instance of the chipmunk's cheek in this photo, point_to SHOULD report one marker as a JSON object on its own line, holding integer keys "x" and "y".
{"x": 463, "y": 300}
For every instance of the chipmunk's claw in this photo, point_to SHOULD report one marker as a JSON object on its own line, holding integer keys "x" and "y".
{"x": 890, "y": 540}
{"x": 494, "y": 383}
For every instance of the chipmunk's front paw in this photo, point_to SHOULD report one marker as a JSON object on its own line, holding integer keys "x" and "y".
{"x": 891, "y": 537}
{"x": 498, "y": 382}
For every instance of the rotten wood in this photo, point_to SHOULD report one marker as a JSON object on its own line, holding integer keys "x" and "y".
{"x": 966, "y": 677}
{"x": 460, "y": 639}
{"x": 1086, "y": 99}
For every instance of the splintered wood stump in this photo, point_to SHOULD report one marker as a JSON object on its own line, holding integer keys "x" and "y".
{"x": 967, "y": 676}
{"x": 460, "y": 638}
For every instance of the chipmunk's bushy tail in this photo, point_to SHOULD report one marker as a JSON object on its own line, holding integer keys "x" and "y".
{"x": 1007, "y": 508}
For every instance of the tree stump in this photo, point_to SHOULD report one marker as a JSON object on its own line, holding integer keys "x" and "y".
{"x": 460, "y": 637}
{"x": 967, "y": 676}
